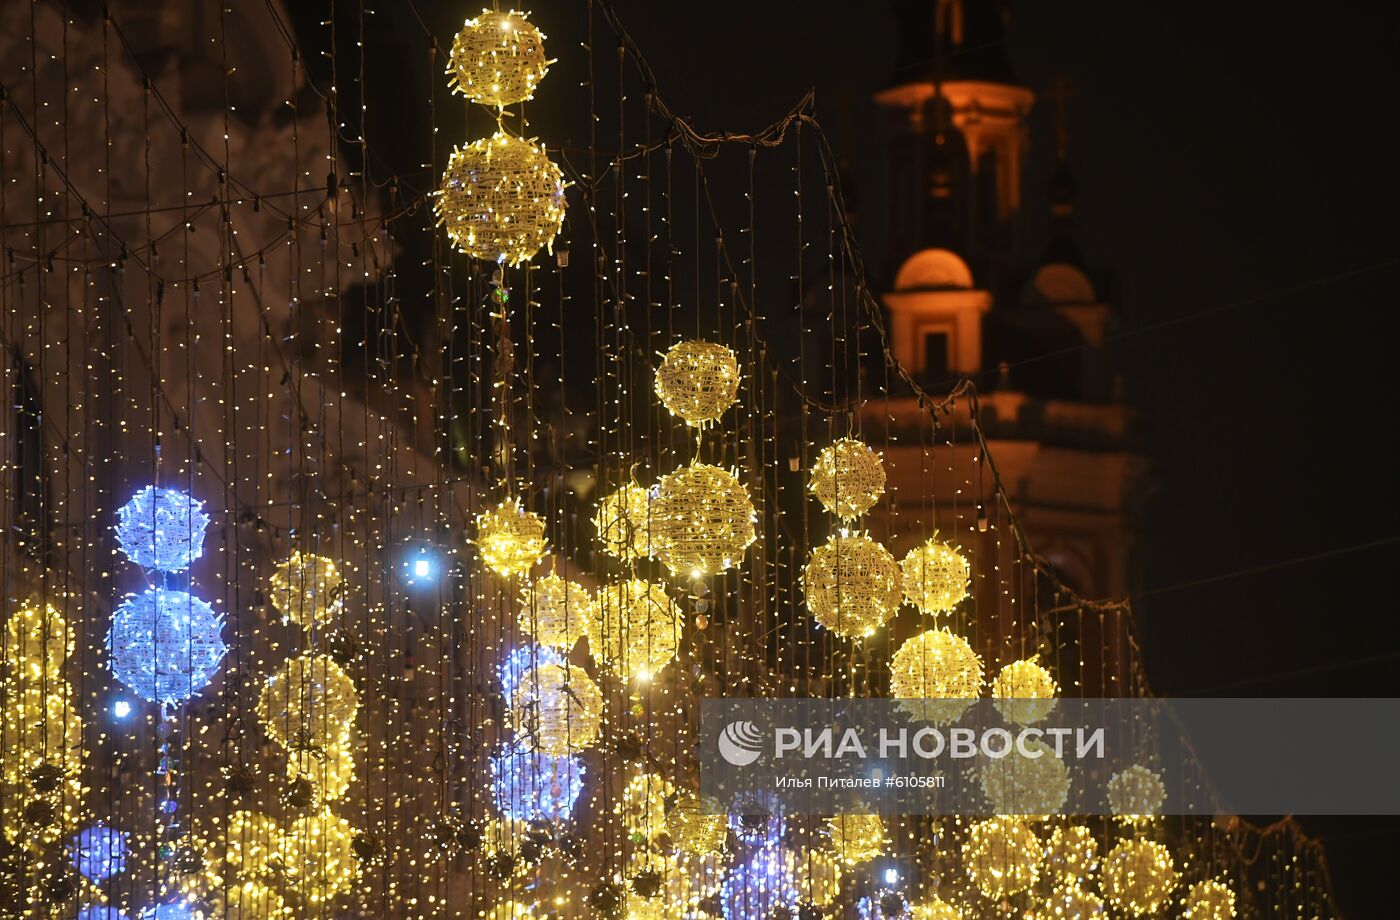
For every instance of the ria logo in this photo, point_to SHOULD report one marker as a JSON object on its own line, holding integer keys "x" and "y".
{"x": 740, "y": 743}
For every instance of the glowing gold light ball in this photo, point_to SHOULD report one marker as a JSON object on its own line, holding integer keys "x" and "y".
{"x": 816, "y": 875}
{"x": 851, "y": 585}
{"x": 1030, "y": 786}
{"x": 1209, "y": 900}
{"x": 510, "y": 539}
{"x": 307, "y": 589}
{"x": 556, "y": 611}
{"x": 857, "y": 838}
{"x": 309, "y": 700}
{"x": 936, "y": 577}
{"x": 317, "y": 856}
{"x": 692, "y": 830}
{"x": 501, "y": 199}
{"x": 557, "y": 709}
{"x": 252, "y": 843}
{"x": 636, "y": 627}
{"x": 38, "y": 641}
{"x": 623, "y": 523}
{"x": 1138, "y": 876}
{"x": 1002, "y": 856}
{"x": 497, "y": 59}
{"x": 509, "y": 910}
{"x": 247, "y": 901}
{"x": 697, "y": 381}
{"x": 1069, "y": 902}
{"x": 702, "y": 520}
{"x": 643, "y": 804}
{"x": 936, "y": 675}
{"x": 1072, "y": 852}
{"x": 848, "y": 478}
{"x": 1136, "y": 794}
{"x": 331, "y": 769}
{"x": 1024, "y": 692}
{"x": 935, "y": 908}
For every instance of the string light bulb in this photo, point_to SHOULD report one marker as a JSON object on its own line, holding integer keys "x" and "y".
{"x": 848, "y": 478}
{"x": 498, "y": 59}
{"x": 851, "y": 585}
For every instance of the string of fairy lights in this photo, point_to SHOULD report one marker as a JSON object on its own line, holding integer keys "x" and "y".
{"x": 343, "y": 586}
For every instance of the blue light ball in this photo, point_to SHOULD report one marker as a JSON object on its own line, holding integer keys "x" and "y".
{"x": 758, "y": 886}
{"x": 520, "y": 661}
{"x": 165, "y": 645}
{"x": 531, "y": 786}
{"x": 98, "y": 852}
{"x": 162, "y": 529}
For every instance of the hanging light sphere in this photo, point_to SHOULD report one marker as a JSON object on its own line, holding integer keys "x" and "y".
{"x": 250, "y": 845}
{"x": 556, "y": 612}
{"x": 1031, "y": 786}
{"x": 497, "y": 59}
{"x": 1024, "y": 692}
{"x": 1069, "y": 902}
{"x": 307, "y": 589}
{"x": 623, "y": 523}
{"x": 697, "y": 381}
{"x": 758, "y": 887}
{"x": 531, "y": 786}
{"x": 694, "y": 830}
{"x": 309, "y": 700}
{"x": 1209, "y": 900}
{"x": 317, "y": 855}
{"x": 1138, "y": 876}
{"x": 162, "y": 529}
{"x": 702, "y": 520}
{"x": 556, "y": 708}
{"x": 510, "y": 539}
{"x": 848, "y": 478}
{"x": 636, "y": 628}
{"x": 501, "y": 199}
{"x": 851, "y": 585}
{"x": 332, "y": 769}
{"x": 816, "y": 875}
{"x": 936, "y": 577}
{"x": 98, "y": 852}
{"x": 857, "y": 838}
{"x": 642, "y": 806}
{"x": 38, "y": 641}
{"x": 936, "y": 675}
{"x": 247, "y": 901}
{"x": 165, "y": 645}
{"x": 1001, "y": 856}
{"x": 1135, "y": 795}
{"x": 1072, "y": 852}
{"x": 520, "y": 662}
{"x": 935, "y": 908}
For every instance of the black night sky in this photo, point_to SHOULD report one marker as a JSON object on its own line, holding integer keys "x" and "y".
{"x": 1237, "y": 182}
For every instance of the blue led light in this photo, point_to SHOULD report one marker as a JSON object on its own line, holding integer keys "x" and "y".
{"x": 162, "y": 529}
{"x": 98, "y": 852}
{"x": 758, "y": 886}
{"x": 530, "y": 786}
{"x": 165, "y": 645}
{"x": 121, "y": 709}
{"x": 521, "y": 660}
{"x": 176, "y": 910}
